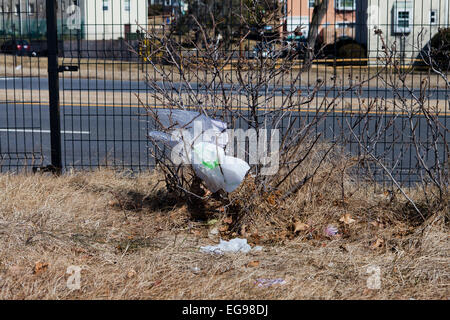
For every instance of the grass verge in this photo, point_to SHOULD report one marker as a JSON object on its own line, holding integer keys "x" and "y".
{"x": 132, "y": 240}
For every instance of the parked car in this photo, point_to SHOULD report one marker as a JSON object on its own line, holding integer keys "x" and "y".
{"x": 39, "y": 48}
{"x": 17, "y": 47}
{"x": 295, "y": 46}
{"x": 266, "y": 50}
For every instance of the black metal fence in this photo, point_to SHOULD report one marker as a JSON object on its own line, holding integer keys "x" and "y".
{"x": 380, "y": 66}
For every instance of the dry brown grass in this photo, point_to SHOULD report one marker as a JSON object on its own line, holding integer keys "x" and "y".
{"x": 133, "y": 241}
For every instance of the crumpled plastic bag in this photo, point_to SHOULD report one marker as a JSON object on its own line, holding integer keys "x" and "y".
{"x": 182, "y": 120}
{"x": 217, "y": 170}
{"x": 234, "y": 245}
{"x": 206, "y": 152}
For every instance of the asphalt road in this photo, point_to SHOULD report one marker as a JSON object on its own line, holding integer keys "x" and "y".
{"x": 140, "y": 86}
{"x": 105, "y": 135}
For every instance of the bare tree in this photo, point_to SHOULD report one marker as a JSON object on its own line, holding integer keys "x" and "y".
{"x": 320, "y": 10}
{"x": 264, "y": 94}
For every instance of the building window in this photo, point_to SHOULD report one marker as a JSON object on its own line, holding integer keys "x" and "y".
{"x": 105, "y": 5}
{"x": 345, "y": 5}
{"x": 31, "y": 9}
{"x": 127, "y": 5}
{"x": 311, "y": 3}
{"x": 403, "y": 19}
{"x": 17, "y": 9}
{"x": 433, "y": 17}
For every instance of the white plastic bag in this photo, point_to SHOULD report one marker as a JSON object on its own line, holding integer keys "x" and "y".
{"x": 217, "y": 170}
{"x": 234, "y": 245}
{"x": 206, "y": 164}
{"x": 205, "y": 150}
{"x": 234, "y": 171}
{"x": 183, "y": 120}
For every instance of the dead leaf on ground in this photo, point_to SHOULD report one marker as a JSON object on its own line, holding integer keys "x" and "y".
{"x": 40, "y": 267}
{"x": 300, "y": 226}
{"x": 271, "y": 199}
{"x": 255, "y": 237}
{"x": 197, "y": 233}
{"x": 131, "y": 274}
{"x": 244, "y": 230}
{"x": 377, "y": 244}
{"x": 347, "y": 219}
{"x": 375, "y": 224}
{"x": 252, "y": 264}
{"x": 228, "y": 220}
{"x": 113, "y": 203}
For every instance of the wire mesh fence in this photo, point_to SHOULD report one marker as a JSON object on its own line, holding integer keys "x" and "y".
{"x": 370, "y": 76}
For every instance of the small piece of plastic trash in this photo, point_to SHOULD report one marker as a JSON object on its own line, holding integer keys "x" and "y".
{"x": 206, "y": 152}
{"x": 269, "y": 282}
{"x": 234, "y": 245}
{"x": 331, "y": 231}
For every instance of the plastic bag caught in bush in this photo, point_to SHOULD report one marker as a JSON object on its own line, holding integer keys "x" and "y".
{"x": 183, "y": 123}
{"x": 203, "y": 148}
{"x": 217, "y": 170}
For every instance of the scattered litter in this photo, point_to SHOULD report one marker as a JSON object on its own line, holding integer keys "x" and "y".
{"x": 269, "y": 282}
{"x": 198, "y": 140}
{"x": 331, "y": 231}
{"x": 19, "y": 67}
{"x": 234, "y": 245}
{"x": 195, "y": 270}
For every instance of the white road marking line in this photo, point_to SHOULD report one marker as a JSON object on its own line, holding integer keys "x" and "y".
{"x": 42, "y": 131}
{"x": 7, "y": 79}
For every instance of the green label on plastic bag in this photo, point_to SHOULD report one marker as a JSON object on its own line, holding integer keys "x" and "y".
{"x": 210, "y": 165}
{"x": 207, "y": 164}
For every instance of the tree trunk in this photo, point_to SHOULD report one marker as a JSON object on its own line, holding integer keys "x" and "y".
{"x": 320, "y": 9}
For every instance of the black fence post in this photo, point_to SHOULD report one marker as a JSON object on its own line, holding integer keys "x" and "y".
{"x": 53, "y": 85}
